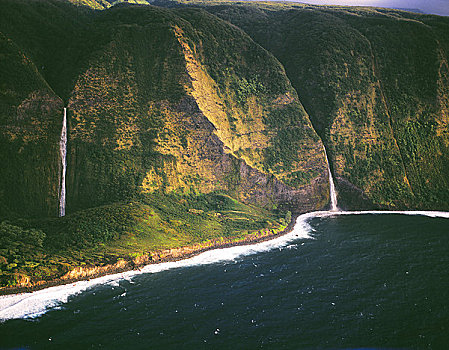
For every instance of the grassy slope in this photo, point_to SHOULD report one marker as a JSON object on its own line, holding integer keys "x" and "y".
{"x": 375, "y": 85}
{"x": 145, "y": 153}
{"x": 35, "y": 250}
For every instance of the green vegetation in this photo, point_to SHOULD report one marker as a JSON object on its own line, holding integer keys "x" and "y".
{"x": 184, "y": 128}
{"x": 375, "y": 85}
{"x": 102, "y": 235}
{"x": 148, "y": 167}
{"x": 132, "y": 105}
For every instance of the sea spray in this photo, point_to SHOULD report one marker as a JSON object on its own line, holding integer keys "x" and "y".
{"x": 29, "y": 305}
{"x": 332, "y": 192}
{"x": 431, "y": 214}
{"x": 63, "y": 152}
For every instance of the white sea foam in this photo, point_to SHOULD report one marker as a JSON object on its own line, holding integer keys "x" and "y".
{"x": 29, "y": 305}
{"x": 432, "y": 214}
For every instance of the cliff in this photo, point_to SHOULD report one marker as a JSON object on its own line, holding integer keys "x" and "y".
{"x": 191, "y": 121}
{"x": 180, "y": 129}
{"x": 157, "y": 100}
{"x": 375, "y": 85}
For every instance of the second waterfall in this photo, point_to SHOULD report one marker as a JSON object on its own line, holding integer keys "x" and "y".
{"x": 63, "y": 153}
{"x": 332, "y": 192}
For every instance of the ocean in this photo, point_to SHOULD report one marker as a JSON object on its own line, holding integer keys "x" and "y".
{"x": 359, "y": 280}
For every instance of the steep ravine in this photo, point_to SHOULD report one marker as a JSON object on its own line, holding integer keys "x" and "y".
{"x": 374, "y": 83}
{"x": 183, "y": 128}
{"x": 180, "y": 129}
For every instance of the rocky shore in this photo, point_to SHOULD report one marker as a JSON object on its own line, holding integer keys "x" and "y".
{"x": 160, "y": 256}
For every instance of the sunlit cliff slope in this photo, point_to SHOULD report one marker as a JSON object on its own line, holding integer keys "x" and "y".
{"x": 375, "y": 83}
{"x": 180, "y": 129}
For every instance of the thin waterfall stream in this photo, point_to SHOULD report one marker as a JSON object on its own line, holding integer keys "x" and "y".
{"x": 332, "y": 191}
{"x": 63, "y": 152}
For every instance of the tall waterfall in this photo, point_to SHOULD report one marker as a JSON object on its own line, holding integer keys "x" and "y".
{"x": 63, "y": 152}
{"x": 332, "y": 192}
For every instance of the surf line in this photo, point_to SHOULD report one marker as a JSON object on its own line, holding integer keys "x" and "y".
{"x": 431, "y": 214}
{"x": 34, "y": 304}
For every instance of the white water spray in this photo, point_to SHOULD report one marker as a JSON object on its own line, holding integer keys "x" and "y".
{"x": 37, "y": 303}
{"x": 332, "y": 192}
{"x": 30, "y": 305}
{"x": 63, "y": 152}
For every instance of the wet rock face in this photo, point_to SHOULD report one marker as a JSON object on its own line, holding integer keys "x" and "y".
{"x": 352, "y": 198}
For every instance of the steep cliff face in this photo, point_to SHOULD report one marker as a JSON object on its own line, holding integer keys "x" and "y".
{"x": 166, "y": 101}
{"x": 374, "y": 83}
{"x": 29, "y": 124}
{"x": 183, "y": 130}
{"x": 166, "y": 105}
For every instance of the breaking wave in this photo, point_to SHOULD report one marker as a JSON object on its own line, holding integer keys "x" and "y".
{"x": 31, "y": 305}
{"x": 34, "y": 304}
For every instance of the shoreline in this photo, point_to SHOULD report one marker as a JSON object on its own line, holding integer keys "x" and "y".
{"x": 151, "y": 258}
{"x": 177, "y": 254}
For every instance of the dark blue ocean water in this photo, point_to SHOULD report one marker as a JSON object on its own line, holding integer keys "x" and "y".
{"x": 361, "y": 281}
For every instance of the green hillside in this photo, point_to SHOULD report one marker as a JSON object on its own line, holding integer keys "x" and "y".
{"x": 166, "y": 109}
{"x": 375, "y": 85}
{"x": 196, "y": 120}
